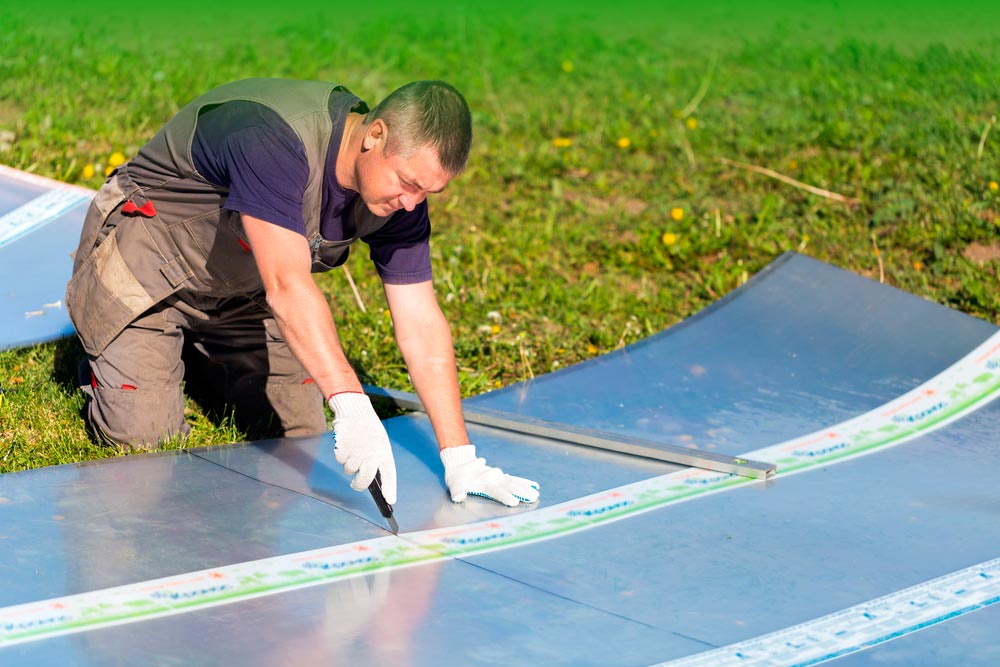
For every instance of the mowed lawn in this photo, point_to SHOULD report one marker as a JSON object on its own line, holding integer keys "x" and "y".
{"x": 632, "y": 163}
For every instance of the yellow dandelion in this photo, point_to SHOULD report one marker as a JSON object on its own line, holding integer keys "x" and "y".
{"x": 496, "y": 328}
{"x": 567, "y": 66}
{"x": 562, "y": 142}
{"x": 994, "y": 186}
{"x": 88, "y": 171}
{"x": 108, "y": 170}
{"x": 692, "y": 123}
{"x": 677, "y": 214}
{"x": 669, "y": 238}
{"x": 624, "y": 142}
{"x": 116, "y": 159}
{"x": 591, "y": 349}
{"x": 918, "y": 265}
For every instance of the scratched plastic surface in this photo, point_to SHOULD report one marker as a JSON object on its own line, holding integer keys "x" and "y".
{"x": 662, "y": 585}
{"x": 34, "y": 270}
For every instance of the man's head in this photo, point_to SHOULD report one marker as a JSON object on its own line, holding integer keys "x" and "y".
{"x": 414, "y": 142}
{"x": 427, "y": 113}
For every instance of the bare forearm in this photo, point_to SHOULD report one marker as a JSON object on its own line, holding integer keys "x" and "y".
{"x": 430, "y": 358}
{"x": 305, "y": 321}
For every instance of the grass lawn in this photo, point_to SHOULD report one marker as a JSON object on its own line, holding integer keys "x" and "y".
{"x": 615, "y": 186}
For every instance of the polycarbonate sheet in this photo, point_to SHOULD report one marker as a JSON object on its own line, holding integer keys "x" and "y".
{"x": 35, "y": 267}
{"x": 15, "y": 193}
{"x": 769, "y": 555}
{"x": 672, "y": 582}
{"x": 445, "y": 614}
{"x": 76, "y": 528}
{"x": 947, "y": 643}
{"x": 801, "y": 346}
{"x": 81, "y": 528}
{"x": 307, "y": 465}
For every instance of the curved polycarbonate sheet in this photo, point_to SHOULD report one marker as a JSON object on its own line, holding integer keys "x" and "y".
{"x": 768, "y": 555}
{"x": 802, "y": 345}
{"x": 71, "y": 529}
{"x": 946, "y": 643}
{"x": 35, "y": 266}
{"x": 658, "y": 586}
{"x": 81, "y": 528}
{"x": 16, "y": 193}
{"x": 307, "y": 466}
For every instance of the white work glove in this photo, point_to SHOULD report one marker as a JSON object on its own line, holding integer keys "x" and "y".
{"x": 362, "y": 445}
{"x": 465, "y": 474}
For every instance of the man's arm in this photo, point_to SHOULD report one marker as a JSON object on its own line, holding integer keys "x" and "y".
{"x": 299, "y": 308}
{"x": 302, "y": 315}
{"x": 424, "y": 338}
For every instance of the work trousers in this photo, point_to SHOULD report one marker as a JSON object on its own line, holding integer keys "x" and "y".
{"x": 234, "y": 358}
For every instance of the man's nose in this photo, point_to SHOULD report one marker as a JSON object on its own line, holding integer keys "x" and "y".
{"x": 410, "y": 201}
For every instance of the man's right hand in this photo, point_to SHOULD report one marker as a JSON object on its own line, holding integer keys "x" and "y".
{"x": 362, "y": 445}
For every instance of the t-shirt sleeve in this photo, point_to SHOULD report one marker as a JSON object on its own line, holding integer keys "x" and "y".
{"x": 267, "y": 177}
{"x": 257, "y": 156}
{"x": 401, "y": 249}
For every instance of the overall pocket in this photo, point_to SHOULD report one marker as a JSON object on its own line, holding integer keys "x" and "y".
{"x": 328, "y": 255}
{"x": 220, "y": 255}
{"x": 104, "y": 296}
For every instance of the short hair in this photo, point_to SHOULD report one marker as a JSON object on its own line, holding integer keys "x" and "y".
{"x": 425, "y": 113}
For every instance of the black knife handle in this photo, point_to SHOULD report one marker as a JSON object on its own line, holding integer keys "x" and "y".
{"x": 375, "y": 488}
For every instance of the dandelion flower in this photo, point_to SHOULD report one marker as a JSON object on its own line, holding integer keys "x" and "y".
{"x": 88, "y": 171}
{"x": 677, "y": 214}
{"x": 591, "y": 349}
{"x": 108, "y": 170}
{"x": 567, "y": 66}
{"x": 918, "y": 265}
{"x": 116, "y": 159}
{"x": 624, "y": 142}
{"x": 495, "y": 329}
{"x": 994, "y": 186}
{"x": 669, "y": 238}
{"x": 692, "y": 123}
{"x": 562, "y": 142}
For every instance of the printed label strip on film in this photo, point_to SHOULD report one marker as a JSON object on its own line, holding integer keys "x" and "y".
{"x": 862, "y": 626}
{"x": 965, "y": 386}
{"x": 39, "y": 211}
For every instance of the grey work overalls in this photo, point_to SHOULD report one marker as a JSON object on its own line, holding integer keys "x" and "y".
{"x": 161, "y": 263}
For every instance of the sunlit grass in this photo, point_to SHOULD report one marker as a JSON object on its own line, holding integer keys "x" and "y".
{"x": 596, "y": 209}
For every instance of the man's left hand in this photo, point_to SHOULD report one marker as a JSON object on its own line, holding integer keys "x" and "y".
{"x": 467, "y": 475}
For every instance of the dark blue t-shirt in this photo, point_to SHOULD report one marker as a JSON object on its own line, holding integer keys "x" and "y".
{"x": 247, "y": 148}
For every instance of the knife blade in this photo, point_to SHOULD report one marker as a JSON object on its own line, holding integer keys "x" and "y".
{"x": 375, "y": 488}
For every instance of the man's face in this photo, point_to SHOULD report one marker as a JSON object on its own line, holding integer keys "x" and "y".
{"x": 388, "y": 183}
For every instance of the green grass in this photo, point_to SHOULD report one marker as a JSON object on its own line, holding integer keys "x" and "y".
{"x": 546, "y": 254}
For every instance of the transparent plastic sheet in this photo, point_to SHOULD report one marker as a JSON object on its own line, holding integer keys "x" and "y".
{"x": 659, "y": 586}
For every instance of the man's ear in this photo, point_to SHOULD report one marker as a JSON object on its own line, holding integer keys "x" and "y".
{"x": 374, "y": 134}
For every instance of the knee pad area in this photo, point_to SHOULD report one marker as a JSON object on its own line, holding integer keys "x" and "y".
{"x": 136, "y": 418}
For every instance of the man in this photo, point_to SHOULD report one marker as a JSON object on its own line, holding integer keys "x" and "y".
{"x": 207, "y": 238}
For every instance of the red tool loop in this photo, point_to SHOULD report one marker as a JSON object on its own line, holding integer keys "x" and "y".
{"x": 147, "y": 210}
